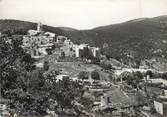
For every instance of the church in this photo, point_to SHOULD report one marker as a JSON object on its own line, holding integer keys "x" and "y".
{"x": 37, "y": 42}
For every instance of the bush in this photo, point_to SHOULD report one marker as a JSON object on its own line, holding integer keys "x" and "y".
{"x": 95, "y": 61}
{"x": 87, "y": 100}
{"x": 95, "y": 75}
{"x": 138, "y": 75}
{"x": 164, "y": 76}
{"x": 149, "y": 73}
{"x": 126, "y": 75}
{"x": 46, "y": 66}
{"x": 106, "y": 66}
{"x": 62, "y": 54}
{"x": 83, "y": 75}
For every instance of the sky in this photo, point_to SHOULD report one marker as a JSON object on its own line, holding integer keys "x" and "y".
{"x": 81, "y": 14}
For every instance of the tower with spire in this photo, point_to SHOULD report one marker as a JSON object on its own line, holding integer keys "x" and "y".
{"x": 39, "y": 27}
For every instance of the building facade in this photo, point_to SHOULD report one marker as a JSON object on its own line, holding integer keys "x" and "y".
{"x": 36, "y": 42}
{"x": 84, "y": 50}
{"x": 161, "y": 107}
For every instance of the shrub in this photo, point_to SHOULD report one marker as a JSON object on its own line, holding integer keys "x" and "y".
{"x": 164, "y": 76}
{"x": 83, "y": 75}
{"x": 138, "y": 75}
{"x": 46, "y": 66}
{"x": 149, "y": 73}
{"x": 95, "y": 75}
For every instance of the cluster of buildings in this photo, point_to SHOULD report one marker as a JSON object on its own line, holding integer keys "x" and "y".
{"x": 161, "y": 106}
{"x": 79, "y": 51}
{"x": 158, "y": 87}
{"x": 36, "y": 42}
{"x": 109, "y": 99}
{"x": 152, "y": 97}
{"x": 84, "y": 50}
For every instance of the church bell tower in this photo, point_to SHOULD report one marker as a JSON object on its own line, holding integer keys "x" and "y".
{"x": 39, "y": 27}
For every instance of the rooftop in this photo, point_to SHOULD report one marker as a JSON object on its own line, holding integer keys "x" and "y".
{"x": 164, "y": 101}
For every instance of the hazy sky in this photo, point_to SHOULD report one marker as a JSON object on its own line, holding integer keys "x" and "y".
{"x": 81, "y": 14}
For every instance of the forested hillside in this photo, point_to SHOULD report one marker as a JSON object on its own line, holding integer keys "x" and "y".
{"x": 134, "y": 40}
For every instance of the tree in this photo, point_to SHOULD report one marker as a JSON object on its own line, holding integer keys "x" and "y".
{"x": 130, "y": 78}
{"x": 138, "y": 75}
{"x": 65, "y": 92}
{"x": 95, "y": 75}
{"x": 164, "y": 76}
{"x": 24, "y": 87}
{"x": 87, "y": 100}
{"x": 62, "y": 55}
{"x": 126, "y": 76}
{"x": 14, "y": 62}
{"x": 137, "y": 63}
{"x": 28, "y": 62}
{"x": 28, "y": 90}
{"x": 106, "y": 66}
{"x": 140, "y": 98}
{"x": 49, "y": 51}
{"x": 83, "y": 75}
{"x": 46, "y": 66}
{"x": 149, "y": 73}
{"x": 95, "y": 60}
{"x": 50, "y": 77}
{"x": 111, "y": 77}
{"x": 31, "y": 95}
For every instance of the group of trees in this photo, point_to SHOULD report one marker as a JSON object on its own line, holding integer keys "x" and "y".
{"x": 85, "y": 75}
{"x": 95, "y": 75}
{"x": 156, "y": 75}
{"x": 65, "y": 92}
{"x": 123, "y": 55}
{"x": 20, "y": 82}
{"x": 133, "y": 78}
{"x": 14, "y": 62}
{"x": 29, "y": 90}
{"x": 106, "y": 66}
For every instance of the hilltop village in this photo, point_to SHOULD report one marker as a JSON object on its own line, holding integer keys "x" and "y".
{"x": 110, "y": 87}
{"x": 110, "y": 95}
{"x": 38, "y": 43}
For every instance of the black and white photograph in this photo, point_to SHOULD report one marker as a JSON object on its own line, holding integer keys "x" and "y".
{"x": 83, "y": 58}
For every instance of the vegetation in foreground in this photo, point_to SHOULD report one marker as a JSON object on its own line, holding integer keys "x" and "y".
{"x": 29, "y": 90}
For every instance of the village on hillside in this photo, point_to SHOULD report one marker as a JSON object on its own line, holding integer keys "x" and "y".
{"x": 111, "y": 88}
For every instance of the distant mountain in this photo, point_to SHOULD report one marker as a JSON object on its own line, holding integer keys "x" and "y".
{"x": 139, "y": 39}
{"x": 143, "y": 38}
{"x": 21, "y": 27}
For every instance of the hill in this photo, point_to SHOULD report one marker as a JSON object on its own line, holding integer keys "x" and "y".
{"x": 21, "y": 27}
{"x": 134, "y": 40}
